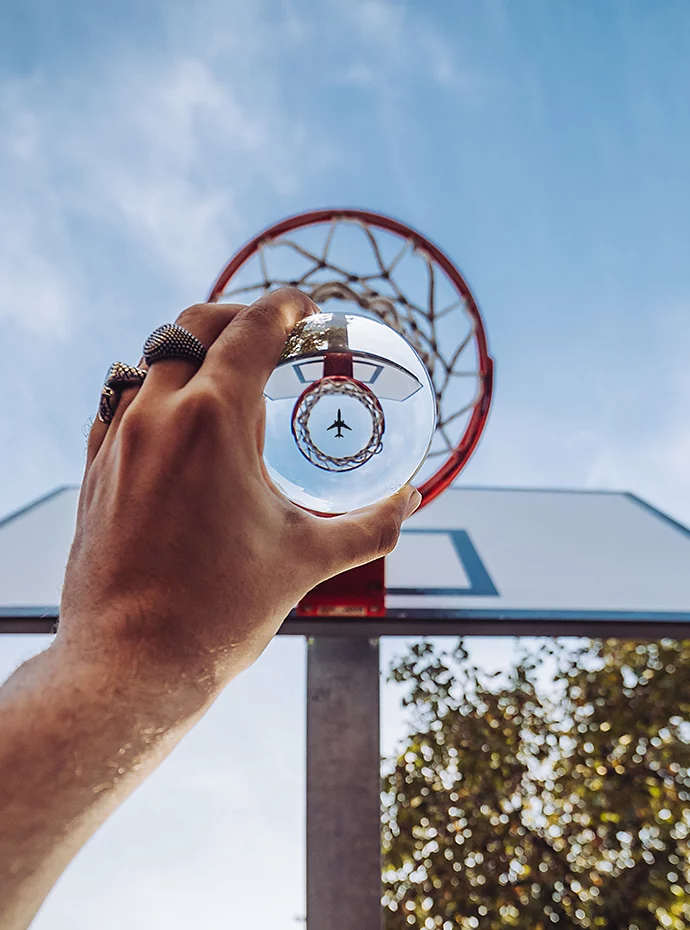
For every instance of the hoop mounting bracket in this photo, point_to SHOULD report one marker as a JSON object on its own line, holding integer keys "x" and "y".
{"x": 359, "y": 592}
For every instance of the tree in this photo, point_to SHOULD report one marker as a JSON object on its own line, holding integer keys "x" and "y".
{"x": 554, "y": 794}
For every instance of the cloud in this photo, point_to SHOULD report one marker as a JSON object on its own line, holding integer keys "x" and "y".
{"x": 149, "y": 162}
{"x": 149, "y": 153}
{"x": 526, "y": 449}
{"x": 655, "y": 465}
{"x": 636, "y": 438}
{"x": 35, "y": 293}
{"x": 653, "y": 460}
{"x": 400, "y": 48}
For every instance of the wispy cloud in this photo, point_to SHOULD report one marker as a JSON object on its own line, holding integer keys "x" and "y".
{"x": 400, "y": 47}
{"x": 612, "y": 445}
{"x": 151, "y": 152}
{"x": 657, "y": 464}
{"x": 35, "y": 291}
{"x": 398, "y": 57}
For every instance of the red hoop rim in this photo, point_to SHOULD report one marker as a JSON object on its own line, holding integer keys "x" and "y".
{"x": 451, "y": 468}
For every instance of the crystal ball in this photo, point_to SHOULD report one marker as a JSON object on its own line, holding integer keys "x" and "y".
{"x": 350, "y": 413}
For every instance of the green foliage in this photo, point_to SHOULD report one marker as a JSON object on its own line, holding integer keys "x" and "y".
{"x": 554, "y": 794}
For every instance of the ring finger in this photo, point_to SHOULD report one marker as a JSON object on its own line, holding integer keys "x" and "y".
{"x": 206, "y": 322}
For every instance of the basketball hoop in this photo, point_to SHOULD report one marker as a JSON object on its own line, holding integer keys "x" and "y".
{"x": 379, "y": 266}
{"x": 392, "y": 271}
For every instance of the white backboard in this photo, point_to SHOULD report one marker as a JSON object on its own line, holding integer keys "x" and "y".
{"x": 487, "y": 560}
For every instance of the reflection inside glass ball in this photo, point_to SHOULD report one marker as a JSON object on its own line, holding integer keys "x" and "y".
{"x": 350, "y": 413}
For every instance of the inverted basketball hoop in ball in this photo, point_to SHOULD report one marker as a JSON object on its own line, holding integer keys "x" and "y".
{"x": 363, "y": 262}
{"x": 336, "y": 386}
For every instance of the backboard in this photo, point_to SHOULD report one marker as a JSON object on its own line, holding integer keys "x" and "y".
{"x": 478, "y": 561}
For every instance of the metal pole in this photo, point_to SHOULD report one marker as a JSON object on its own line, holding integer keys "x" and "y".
{"x": 343, "y": 785}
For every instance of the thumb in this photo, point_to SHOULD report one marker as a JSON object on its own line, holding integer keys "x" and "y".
{"x": 367, "y": 534}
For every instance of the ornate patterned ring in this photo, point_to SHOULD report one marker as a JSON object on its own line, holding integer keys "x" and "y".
{"x": 119, "y": 377}
{"x": 173, "y": 341}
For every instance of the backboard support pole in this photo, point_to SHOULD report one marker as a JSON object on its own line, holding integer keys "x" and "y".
{"x": 343, "y": 784}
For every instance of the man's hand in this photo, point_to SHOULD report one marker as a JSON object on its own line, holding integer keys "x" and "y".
{"x": 185, "y": 562}
{"x": 186, "y": 558}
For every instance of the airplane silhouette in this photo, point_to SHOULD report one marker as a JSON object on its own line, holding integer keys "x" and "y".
{"x": 340, "y": 424}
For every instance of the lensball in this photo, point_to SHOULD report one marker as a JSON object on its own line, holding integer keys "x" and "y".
{"x": 350, "y": 413}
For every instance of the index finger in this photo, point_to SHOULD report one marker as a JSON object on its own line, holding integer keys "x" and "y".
{"x": 246, "y": 353}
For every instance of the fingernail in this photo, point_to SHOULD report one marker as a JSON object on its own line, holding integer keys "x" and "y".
{"x": 415, "y": 499}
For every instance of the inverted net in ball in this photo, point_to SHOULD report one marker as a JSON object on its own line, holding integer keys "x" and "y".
{"x": 346, "y": 387}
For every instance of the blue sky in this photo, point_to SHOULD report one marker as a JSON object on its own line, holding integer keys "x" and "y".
{"x": 544, "y": 146}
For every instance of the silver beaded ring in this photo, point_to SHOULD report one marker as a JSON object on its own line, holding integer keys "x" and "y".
{"x": 173, "y": 341}
{"x": 119, "y": 377}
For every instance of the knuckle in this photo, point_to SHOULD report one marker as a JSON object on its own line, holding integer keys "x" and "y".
{"x": 191, "y": 315}
{"x": 280, "y": 305}
{"x": 294, "y": 296}
{"x": 200, "y": 404}
{"x": 134, "y": 428}
{"x": 289, "y": 294}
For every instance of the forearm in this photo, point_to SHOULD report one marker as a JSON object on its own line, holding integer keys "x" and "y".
{"x": 75, "y": 740}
